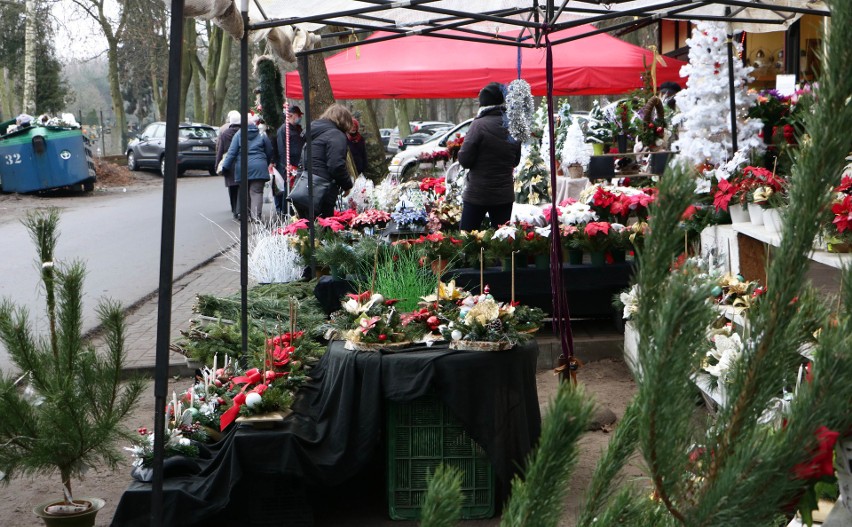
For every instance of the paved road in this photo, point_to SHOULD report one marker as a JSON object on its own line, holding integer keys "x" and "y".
{"x": 117, "y": 235}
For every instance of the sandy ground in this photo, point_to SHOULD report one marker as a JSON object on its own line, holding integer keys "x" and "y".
{"x": 608, "y": 381}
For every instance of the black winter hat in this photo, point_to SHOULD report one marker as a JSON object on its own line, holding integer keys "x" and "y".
{"x": 491, "y": 94}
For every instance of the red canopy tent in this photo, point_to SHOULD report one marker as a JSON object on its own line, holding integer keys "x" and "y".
{"x": 426, "y": 67}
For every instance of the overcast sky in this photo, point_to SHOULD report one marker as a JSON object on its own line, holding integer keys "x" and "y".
{"x": 78, "y": 37}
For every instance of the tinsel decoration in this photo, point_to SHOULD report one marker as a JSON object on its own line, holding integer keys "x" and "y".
{"x": 271, "y": 91}
{"x": 519, "y": 109}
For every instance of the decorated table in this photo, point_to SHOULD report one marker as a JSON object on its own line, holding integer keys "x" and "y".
{"x": 337, "y": 422}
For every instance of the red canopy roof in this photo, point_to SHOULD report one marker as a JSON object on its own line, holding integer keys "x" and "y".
{"x": 437, "y": 68}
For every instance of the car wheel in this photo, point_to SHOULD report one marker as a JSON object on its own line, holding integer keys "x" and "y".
{"x": 131, "y": 161}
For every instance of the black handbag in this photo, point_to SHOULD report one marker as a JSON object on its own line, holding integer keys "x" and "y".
{"x": 299, "y": 193}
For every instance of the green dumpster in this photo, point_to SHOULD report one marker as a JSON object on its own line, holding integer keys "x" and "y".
{"x": 38, "y": 158}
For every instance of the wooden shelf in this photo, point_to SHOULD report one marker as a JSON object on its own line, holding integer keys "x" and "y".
{"x": 760, "y": 233}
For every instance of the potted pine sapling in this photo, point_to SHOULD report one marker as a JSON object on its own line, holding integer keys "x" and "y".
{"x": 63, "y": 407}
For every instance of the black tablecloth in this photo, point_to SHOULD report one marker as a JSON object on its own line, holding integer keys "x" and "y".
{"x": 590, "y": 289}
{"x": 336, "y": 426}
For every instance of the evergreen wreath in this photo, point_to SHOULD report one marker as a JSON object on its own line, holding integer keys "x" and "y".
{"x": 653, "y": 126}
{"x": 271, "y": 91}
{"x": 519, "y": 110}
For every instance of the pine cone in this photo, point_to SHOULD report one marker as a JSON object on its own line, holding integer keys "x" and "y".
{"x": 494, "y": 325}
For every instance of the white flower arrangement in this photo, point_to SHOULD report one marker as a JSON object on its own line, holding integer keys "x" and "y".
{"x": 361, "y": 196}
{"x": 576, "y": 213}
{"x": 504, "y": 233}
{"x": 630, "y": 300}
{"x": 386, "y": 194}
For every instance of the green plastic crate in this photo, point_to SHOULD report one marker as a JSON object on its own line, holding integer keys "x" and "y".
{"x": 422, "y": 434}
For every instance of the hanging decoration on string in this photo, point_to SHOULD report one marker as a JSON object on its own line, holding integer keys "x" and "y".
{"x": 519, "y": 109}
{"x": 223, "y": 13}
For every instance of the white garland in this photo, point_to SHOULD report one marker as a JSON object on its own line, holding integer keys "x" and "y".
{"x": 519, "y": 110}
{"x": 361, "y": 196}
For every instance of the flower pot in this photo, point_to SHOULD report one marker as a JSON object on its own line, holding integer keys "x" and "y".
{"x": 598, "y": 149}
{"x": 598, "y": 258}
{"x": 80, "y": 519}
{"x": 739, "y": 213}
{"x": 575, "y": 256}
{"x": 575, "y": 171}
{"x": 839, "y": 247}
{"x": 506, "y": 263}
{"x": 601, "y": 167}
{"x": 772, "y": 220}
{"x": 542, "y": 261}
{"x": 755, "y": 214}
{"x": 622, "y": 143}
{"x": 658, "y": 163}
{"x": 618, "y": 255}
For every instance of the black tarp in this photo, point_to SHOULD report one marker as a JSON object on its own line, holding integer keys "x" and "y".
{"x": 338, "y": 420}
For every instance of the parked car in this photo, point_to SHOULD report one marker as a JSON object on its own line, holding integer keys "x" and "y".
{"x": 196, "y": 148}
{"x": 385, "y": 134}
{"x": 419, "y": 138}
{"x": 403, "y": 163}
{"x": 416, "y": 126}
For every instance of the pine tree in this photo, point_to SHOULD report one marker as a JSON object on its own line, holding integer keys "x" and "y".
{"x": 705, "y": 110}
{"x": 64, "y": 413}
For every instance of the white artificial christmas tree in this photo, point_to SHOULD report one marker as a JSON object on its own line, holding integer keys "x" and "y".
{"x": 704, "y": 107}
{"x": 574, "y": 150}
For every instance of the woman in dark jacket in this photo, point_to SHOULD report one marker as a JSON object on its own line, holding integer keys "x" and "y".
{"x": 490, "y": 156}
{"x": 358, "y": 147}
{"x": 328, "y": 158}
{"x": 223, "y": 142}
{"x": 260, "y": 158}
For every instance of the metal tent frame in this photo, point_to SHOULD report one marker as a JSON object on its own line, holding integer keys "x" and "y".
{"x": 540, "y": 19}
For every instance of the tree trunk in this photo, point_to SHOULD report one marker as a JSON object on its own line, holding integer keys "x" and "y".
{"x": 400, "y": 109}
{"x": 157, "y": 96}
{"x": 186, "y": 71}
{"x": 223, "y": 67}
{"x": 115, "y": 92}
{"x": 319, "y": 86}
{"x": 30, "y": 59}
{"x": 197, "y": 102}
{"x": 214, "y": 40}
{"x": 7, "y": 107}
{"x": 377, "y": 166}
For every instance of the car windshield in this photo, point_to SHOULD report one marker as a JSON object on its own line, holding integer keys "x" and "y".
{"x": 197, "y": 132}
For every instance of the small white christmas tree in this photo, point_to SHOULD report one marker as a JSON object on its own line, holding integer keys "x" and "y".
{"x": 574, "y": 150}
{"x": 705, "y": 115}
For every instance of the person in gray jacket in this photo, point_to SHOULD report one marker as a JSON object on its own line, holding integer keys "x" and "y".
{"x": 260, "y": 159}
{"x": 490, "y": 156}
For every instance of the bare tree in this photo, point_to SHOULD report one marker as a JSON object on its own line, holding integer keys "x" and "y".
{"x": 113, "y": 31}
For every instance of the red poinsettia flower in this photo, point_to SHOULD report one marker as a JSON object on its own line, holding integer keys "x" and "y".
{"x": 391, "y": 301}
{"x": 688, "y": 213}
{"x": 595, "y": 227}
{"x": 368, "y": 323}
{"x": 642, "y": 200}
{"x": 843, "y": 214}
{"x": 724, "y": 194}
{"x": 620, "y": 206}
{"x": 845, "y": 184}
{"x": 435, "y": 237}
{"x": 294, "y": 227}
{"x": 345, "y": 216}
{"x": 330, "y": 223}
{"x": 821, "y": 464}
{"x": 603, "y": 198}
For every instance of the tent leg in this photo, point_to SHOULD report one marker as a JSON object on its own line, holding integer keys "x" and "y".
{"x": 731, "y": 90}
{"x": 306, "y": 92}
{"x": 167, "y": 256}
{"x": 244, "y": 187}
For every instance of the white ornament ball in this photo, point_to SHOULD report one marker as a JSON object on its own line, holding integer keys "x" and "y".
{"x": 253, "y": 399}
{"x": 377, "y": 298}
{"x": 456, "y": 335}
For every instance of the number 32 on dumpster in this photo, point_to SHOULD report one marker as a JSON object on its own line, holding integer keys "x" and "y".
{"x": 13, "y": 159}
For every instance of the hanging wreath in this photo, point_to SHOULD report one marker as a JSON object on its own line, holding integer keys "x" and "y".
{"x": 271, "y": 91}
{"x": 519, "y": 109}
{"x": 653, "y": 128}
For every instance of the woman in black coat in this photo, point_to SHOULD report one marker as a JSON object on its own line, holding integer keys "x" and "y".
{"x": 223, "y": 143}
{"x": 329, "y": 147}
{"x": 490, "y": 156}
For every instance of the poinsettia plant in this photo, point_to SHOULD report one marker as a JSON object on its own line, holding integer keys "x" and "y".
{"x": 595, "y": 236}
{"x": 371, "y": 218}
{"x": 740, "y": 186}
